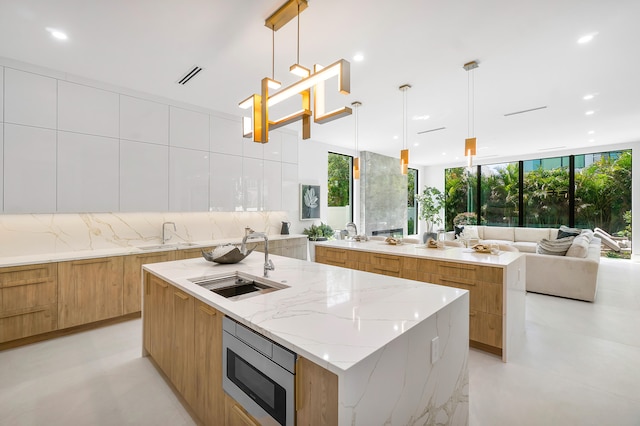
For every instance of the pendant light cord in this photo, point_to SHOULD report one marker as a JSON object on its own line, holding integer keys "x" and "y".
{"x": 404, "y": 114}
{"x": 470, "y": 103}
{"x": 273, "y": 54}
{"x": 298, "y": 49}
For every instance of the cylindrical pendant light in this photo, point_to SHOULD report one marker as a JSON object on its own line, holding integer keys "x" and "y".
{"x": 470, "y": 142}
{"x": 404, "y": 153}
{"x": 356, "y": 159}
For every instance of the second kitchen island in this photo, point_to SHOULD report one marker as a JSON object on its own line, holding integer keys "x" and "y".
{"x": 370, "y": 349}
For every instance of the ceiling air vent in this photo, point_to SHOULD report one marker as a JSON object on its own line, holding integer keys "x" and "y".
{"x": 189, "y": 75}
{"x": 431, "y": 130}
{"x": 524, "y": 111}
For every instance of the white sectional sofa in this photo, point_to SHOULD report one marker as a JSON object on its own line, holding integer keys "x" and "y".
{"x": 574, "y": 275}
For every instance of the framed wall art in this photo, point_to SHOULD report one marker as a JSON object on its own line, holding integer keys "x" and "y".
{"x": 309, "y": 202}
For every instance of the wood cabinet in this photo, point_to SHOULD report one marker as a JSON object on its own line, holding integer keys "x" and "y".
{"x": 191, "y": 253}
{"x": 294, "y": 247}
{"x": 28, "y": 301}
{"x": 132, "y": 285}
{"x": 182, "y": 371}
{"x": 158, "y": 318}
{"x": 209, "y": 396}
{"x": 89, "y": 290}
{"x": 316, "y": 394}
{"x": 235, "y": 415}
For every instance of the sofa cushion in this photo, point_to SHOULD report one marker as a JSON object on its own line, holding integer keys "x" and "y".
{"x": 588, "y": 233}
{"x": 470, "y": 232}
{"x": 498, "y": 233}
{"x": 565, "y": 231}
{"x": 556, "y": 247}
{"x": 525, "y": 246}
{"x": 579, "y": 246}
{"x": 531, "y": 234}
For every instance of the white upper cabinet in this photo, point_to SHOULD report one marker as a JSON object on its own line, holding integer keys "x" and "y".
{"x": 290, "y": 188}
{"x": 273, "y": 149}
{"x": 226, "y": 136}
{"x": 144, "y": 177}
{"x": 29, "y": 99}
{"x": 272, "y": 185}
{"x": 87, "y": 173}
{"x": 252, "y": 184}
{"x": 225, "y": 183}
{"x": 1, "y": 166}
{"x": 1, "y": 95}
{"x": 251, "y": 149}
{"x": 188, "y": 180}
{"x": 88, "y": 110}
{"x": 188, "y": 129}
{"x": 30, "y": 169}
{"x": 144, "y": 121}
{"x": 290, "y": 148}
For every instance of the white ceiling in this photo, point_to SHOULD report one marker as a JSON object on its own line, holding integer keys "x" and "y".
{"x": 527, "y": 51}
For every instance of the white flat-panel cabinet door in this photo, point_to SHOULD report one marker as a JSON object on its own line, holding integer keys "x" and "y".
{"x": 188, "y": 180}
{"x": 290, "y": 201}
{"x": 273, "y": 149}
{"x": 251, "y": 149}
{"x": 1, "y": 166}
{"x": 2, "y": 95}
{"x": 252, "y": 184}
{"x": 144, "y": 177}
{"x": 226, "y": 183}
{"x": 29, "y": 169}
{"x": 289, "y": 148}
{"x": 226, "y": 136}
{"x": 272, "y": 186}
{"x": 188, "y": 129}
{"x": 144, "y": 121}
{"x": 87, "y": 173}
{"x": 84, "y": 109}
{"x": 29, "y": 99}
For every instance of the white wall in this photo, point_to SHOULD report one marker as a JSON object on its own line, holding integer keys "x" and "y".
{"x": 74, "y": 145}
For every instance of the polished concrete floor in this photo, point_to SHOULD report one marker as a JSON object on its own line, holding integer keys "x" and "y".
{"x": 580, "y": 365}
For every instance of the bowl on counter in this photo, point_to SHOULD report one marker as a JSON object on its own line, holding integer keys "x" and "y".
{"x": 225, "y": 254}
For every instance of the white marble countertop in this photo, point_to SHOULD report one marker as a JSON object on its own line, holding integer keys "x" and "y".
{"x": 64, "y": 256}
{"x": 335, "y": 317}
{"x": 452, "y": 254}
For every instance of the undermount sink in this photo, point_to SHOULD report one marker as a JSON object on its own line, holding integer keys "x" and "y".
{"x": 167, "y": 246}
{"x": 237, "y": 286}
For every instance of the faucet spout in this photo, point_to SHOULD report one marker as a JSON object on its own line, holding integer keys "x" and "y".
{"x": 268, "y": 264}
{"x": 164, "y": 235}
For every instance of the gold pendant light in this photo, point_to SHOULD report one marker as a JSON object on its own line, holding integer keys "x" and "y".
{"x": 356, "y": 159}
{"x": 470, "y": 142}
{"x": 404, "y": 153}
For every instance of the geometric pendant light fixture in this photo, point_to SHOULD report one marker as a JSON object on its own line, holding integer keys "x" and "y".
{"x": 312, "y": 82}
{"x": 356, "y": 159}
{"x": 404, "y": 153}
{"x": 470, "y": 142}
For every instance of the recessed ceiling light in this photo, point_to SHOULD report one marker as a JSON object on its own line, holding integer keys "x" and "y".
{"x": 592, "y": 140}
{"x": 358, "y": 57}
{"x": 586, "y": 38}
{"x": 587, "y": 97}
{"x": 57, "y": 34}
{"x": 589, "y": 113}
{"x": 420, "y": 117}
{"x": 590, "y": 132}
{"x": 444, "y": 153}
{"x": 395, "y": 137}
{"x": 416, "y": 144}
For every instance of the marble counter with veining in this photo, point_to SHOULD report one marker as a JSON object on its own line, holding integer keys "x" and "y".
{"x": 374, "y": 332}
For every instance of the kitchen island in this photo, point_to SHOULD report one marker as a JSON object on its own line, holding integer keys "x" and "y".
{"x": 371, "y": 349}
{"x": 496, "y": 282}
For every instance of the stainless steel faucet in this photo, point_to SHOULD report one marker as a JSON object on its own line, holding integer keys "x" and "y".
{"x": 351, "y": 225}
{"x": 268, "y": 264}
{"x": 164, "y": 235}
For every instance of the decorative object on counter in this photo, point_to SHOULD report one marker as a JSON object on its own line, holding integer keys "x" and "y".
{"x": 309, "y": 202}
{"x": 431, "y": 201}
{"x": 226, "y": 254}
{"x": 320, "y": 232}
{"x": 431, "y": 243}
{"x": 481, "y": 248}
{"x": 393, "y": 241}
{"x": 360, "y": 238}
{"x": 284, "y": 230}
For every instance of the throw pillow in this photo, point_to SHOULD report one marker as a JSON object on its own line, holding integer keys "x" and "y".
{"x": 458, "y": 230}
{"x": 565, "y": 231}
{"x": 588, "y": 233}
{"x": 470, "y": 232}
{"x": 557, "y": 247}
{"x": 579, "y": 247}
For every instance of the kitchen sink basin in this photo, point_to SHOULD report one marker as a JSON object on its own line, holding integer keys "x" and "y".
{"x": 237, "y": 286}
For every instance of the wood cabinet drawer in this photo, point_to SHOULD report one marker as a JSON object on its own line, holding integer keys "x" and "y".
{"x": 427, "y": 266}
{"x": 485, "y": 328}
{"x": 410, "y": 263}
{"x": 457, "y": 270}
{"x": 334, "y": 262}
{"x": 358, "y": 256}
{"x": 28, "y": 322}
{"x": 42, "y": 292}
{"x": 492, "y": 294}
{"x": 332, "y": 253}
{"x": 382, "y": 271}
{"x": 21, "y": 275}
{"x": 385, "y": 263}
{"x": 476, "y": 300}
{"x": 490, "y": 274}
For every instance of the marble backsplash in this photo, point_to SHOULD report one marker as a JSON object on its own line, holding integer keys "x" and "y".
{"x": 57, "y": 233}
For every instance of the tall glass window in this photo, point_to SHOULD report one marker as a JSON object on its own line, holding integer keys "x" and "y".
{"x": 340, "y": 190}
{"x": 545, "y": 192}
{"x": 499, "y": 194}
{"x": 603, "y": 190}
{"x": 460, "y": 190}
{"x": 412, "y": 206}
